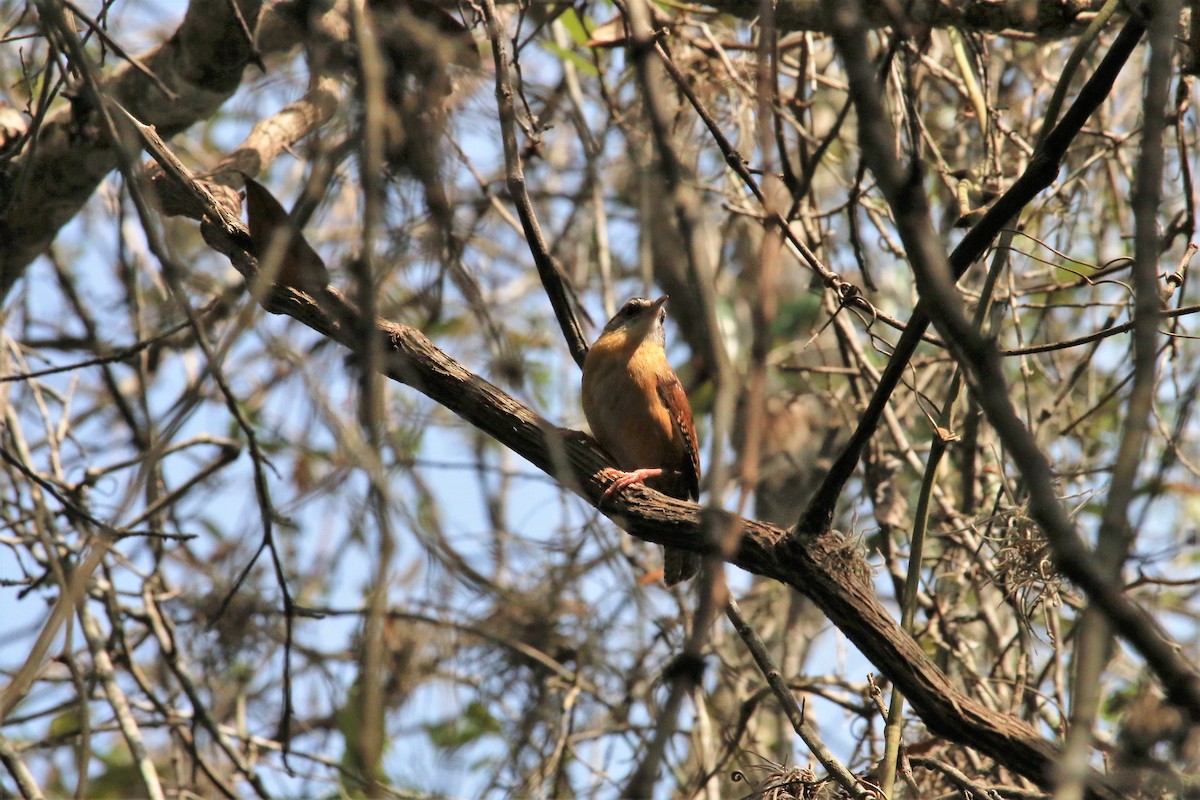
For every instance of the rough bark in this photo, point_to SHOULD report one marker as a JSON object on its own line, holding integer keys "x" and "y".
{"x": 821, "y": 564}
{"x": 43, "y": 190}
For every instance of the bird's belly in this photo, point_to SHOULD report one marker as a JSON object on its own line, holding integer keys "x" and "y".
{"x": 630, "y": 421}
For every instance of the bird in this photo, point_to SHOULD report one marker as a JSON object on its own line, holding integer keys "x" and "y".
{"x": 639, "y": 413}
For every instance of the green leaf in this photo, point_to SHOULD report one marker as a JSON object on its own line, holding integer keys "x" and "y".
{"x": 796, "y": 315}
{"x": 473, "y": 724}
{"x": 574, "y": 26}
{"x": 581, "y": 63}
{"x": 66, "y": 724}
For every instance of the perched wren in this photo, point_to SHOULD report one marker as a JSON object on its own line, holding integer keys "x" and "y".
{"x": 639, "y": 413}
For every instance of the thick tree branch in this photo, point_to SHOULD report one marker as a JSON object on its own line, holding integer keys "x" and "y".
{"x": 201, "y": 63}
{"x": 826, "y": 567}
{"x": 816, "y": 561}
{"x": 823, "y": 565}
{"x": 935, "y": 274}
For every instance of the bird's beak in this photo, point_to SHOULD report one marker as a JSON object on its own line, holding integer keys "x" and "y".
{"x": 660, "y": 302}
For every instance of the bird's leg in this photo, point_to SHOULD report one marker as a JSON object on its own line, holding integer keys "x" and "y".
{"x": 622, "y": 479}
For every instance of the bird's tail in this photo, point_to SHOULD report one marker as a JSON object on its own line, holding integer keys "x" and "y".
{"x": 679, "y": 565}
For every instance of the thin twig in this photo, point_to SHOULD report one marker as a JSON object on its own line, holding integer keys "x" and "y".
{"x": 103, "y": 666}
{"x": 26, "y": 783}
{"x": 134, "y": 61}
{"x": 1039, "y": 174}
{"x": 171, "y": 272}
{"x": 935, "y": 274}
{"x": 554, "y": 279}
{"x": 791, "y": 708}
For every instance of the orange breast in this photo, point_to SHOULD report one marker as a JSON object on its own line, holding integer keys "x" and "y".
{"x": 626, "y": 413}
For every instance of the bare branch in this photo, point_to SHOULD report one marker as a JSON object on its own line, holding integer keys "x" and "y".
{"x": 934, "y": 274}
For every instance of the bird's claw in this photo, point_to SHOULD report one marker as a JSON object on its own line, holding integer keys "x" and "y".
{"x": 622, "y": 480}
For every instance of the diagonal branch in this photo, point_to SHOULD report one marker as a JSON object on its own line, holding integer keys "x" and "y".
{"x": 202, "y": 64}
{"x": 823, "y": 565}
{"x": 1039, "y": 174}
{"x": 817, "y": 562}
{"x": 935, "y": 274}
{"x": 554, "y": 278}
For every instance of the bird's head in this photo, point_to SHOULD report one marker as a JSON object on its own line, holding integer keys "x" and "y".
{"x": 638, "y": 321}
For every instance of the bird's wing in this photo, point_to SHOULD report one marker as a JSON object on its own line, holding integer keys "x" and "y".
{"x": 675, "y": 399}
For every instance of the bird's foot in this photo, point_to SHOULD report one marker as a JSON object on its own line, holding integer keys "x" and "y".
{"x": 622, "y": 479}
